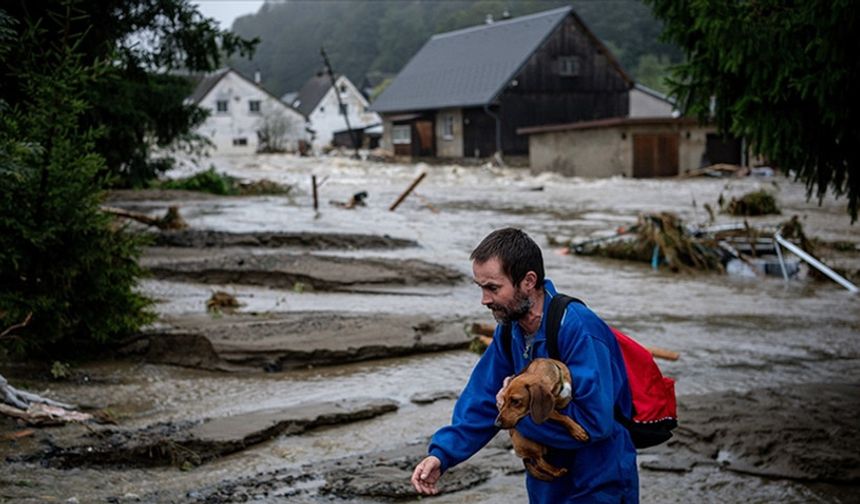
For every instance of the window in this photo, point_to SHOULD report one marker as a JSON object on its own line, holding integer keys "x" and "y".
{"x": 342, "y": 88}
{"x": 344, "y": 109}
{"x": 221, "y": 106}
{"x": 254, "y": 106}
{"x": 237, "y": 142}
{"x": 568, "y": 66}
{"x": 401, "y": 134}
{"x": 448, "y": 127}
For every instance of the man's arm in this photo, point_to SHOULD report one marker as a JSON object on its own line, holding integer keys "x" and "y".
{"x": 589, "y": 360}
{"x": 472, "y": 424}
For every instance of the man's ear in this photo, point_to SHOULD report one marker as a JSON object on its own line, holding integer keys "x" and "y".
{"x": 529, "y": 281}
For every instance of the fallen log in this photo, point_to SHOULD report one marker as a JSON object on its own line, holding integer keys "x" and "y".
{"x": 407, "y": 191}
{"x": 171, "y": 220}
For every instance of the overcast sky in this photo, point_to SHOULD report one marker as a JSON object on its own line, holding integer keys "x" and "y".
{"x": 225, "y": 11}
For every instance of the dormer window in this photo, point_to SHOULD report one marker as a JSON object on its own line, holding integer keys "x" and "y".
{"x": 568, "y": 66}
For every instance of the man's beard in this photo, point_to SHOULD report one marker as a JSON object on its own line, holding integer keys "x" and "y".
{"x": 519, "y": 308}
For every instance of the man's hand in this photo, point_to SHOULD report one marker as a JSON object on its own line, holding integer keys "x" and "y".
{"x": 426, "y": 474}
{"x": 500, "y": 395}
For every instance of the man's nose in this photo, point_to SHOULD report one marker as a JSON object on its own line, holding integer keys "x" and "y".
{"x": 486, "y": 299}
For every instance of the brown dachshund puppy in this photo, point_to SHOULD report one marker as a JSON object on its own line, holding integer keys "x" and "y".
{"x": 540, "y": 391}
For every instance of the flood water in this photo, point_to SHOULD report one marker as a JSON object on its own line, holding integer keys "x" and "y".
{"x": 733, "y": 334}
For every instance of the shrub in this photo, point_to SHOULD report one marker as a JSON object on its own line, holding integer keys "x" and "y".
{"x": 61, "y": 258}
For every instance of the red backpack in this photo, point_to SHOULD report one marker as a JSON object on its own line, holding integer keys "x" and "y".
{"x": 654, "y": 409}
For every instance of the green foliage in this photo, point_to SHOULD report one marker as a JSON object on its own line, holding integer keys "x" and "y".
{"x": 653, "y": 71}
{"x": 754, "y": 203}
{"x": 212, "y": 182}
{"x": 60, "y": 370}
{"x": 782, "y": 74}
{"x": 208, "y": 181}
{"x": 136, "y": 101}
{"x": 60, "y": 258}
{"x": 381, "y": 37}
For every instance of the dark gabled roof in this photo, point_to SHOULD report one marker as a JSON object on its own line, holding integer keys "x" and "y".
{"x": 312, "y": 92}
{"x": 205, "y": 83}
{"x": 470, "y": 67}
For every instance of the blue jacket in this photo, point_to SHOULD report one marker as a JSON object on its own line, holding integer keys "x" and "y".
{"x": 602, "y": 469}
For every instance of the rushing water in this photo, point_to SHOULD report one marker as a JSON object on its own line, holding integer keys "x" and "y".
{"x": 733, "y": 334}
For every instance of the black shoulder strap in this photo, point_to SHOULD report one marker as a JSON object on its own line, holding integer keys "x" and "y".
{"x": 557, "y": 307}
{"x": 507, "y": 337}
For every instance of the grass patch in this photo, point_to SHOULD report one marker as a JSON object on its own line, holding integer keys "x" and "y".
{"x": 213, "y": 182}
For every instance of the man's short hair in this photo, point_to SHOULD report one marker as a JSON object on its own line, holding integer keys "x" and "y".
{"x": 516, "y": 251}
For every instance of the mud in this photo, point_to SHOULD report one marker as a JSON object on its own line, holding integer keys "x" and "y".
{"x": 195, "y": 443}
{"x": 804, "y": 432}
{"x": 307, "y": 272}
{"x": 375, "y": 477}
{"x": 807, "y": 433}
{"x": 276, "y": 342}
{"x": 207, "y": 238}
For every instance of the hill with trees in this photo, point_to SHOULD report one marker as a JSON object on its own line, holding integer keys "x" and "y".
{"x": 372, "y": 38}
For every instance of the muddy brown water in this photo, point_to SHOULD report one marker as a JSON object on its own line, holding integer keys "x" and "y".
{"x": 734, "y": 335}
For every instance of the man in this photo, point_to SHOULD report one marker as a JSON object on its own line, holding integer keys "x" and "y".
{"x": 508, "y": 267}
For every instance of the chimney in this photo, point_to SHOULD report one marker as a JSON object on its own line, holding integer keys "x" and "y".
{"x": 257, "y": 76}
{"x": 489, "y": 19}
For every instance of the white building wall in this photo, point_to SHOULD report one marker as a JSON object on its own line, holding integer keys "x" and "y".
{"x": 227, "y": 129}
{"x": 326, "y": 118}
{"x": 643, "y": 104}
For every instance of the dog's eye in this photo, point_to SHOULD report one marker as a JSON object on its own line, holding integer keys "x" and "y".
{"x": 515, "y": 402}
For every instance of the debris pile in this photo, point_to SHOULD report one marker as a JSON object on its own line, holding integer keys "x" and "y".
{"x": 738, "y": 249}
{"x": 753, "y": 203}
{"x": 659, "y": 239}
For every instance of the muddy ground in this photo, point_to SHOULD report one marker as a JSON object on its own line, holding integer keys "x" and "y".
{"x": 348, "y": 348}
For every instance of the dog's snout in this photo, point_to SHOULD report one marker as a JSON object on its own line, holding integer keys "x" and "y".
{"x": 498, "y": 422}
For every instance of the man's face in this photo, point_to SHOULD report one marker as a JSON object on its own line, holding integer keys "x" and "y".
{"x": 509, "y": 303}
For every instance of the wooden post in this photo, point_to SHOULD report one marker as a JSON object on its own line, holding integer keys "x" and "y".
{"x": 407, "y": 191}
{"x": 314, "y": 185}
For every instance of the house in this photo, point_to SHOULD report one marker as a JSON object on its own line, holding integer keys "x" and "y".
{"x": 318, "y": 100}
{"x": 244, "y": 118}
{"x": 652, "y": 141}
{"x": 466, "y": 92}
{"x": 628, "y": 146}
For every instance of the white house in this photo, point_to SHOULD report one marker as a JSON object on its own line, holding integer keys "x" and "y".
{"x": 318, "y": 100}
{"x": 244, "y": 118}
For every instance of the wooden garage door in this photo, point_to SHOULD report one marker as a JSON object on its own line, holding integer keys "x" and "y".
{"x": 424, "y": 130}
{"x": 655, "y": 155}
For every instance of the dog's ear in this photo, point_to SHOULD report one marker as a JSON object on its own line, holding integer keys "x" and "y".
{"x": 540, "y": 402}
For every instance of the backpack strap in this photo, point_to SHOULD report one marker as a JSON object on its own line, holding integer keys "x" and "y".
{"x": 557, "y": 307}
{"x": 506, "y": 341}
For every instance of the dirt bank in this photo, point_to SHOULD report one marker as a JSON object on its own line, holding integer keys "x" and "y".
{"x": 207, "y": 238}
{"x": 194, "y": 443}
{"x": 307, "y": 272}
{"x": 294, "y": 340}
